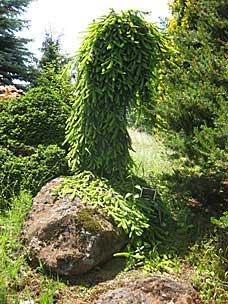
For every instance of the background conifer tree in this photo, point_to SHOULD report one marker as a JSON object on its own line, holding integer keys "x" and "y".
{"x": 195, "y": 80}
{"x": 193, "y": 105}
{"x": 14, "y": 56}
{"x": 51, "y": 53}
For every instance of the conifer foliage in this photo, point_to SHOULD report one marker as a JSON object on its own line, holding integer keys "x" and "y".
{"x": 194, "y": 87}
{"x": 14, "y": 57}
{"x": 193, "y": 105}
{"x": 114, "y": 70}
{"x": 51, "y": 54}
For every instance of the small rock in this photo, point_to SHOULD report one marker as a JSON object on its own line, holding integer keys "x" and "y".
{"x": 152, "y": 289}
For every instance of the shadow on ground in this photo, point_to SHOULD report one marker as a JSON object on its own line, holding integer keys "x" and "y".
{"x": 99, "y": 274}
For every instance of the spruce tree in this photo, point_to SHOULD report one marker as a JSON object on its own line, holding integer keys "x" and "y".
{"x": 114, "y": 68}
{"x": 193, "y": 105}
{"x": 14, "y": 56}
{"x": 51, "y": 54}
{"x": 195, "y": 79}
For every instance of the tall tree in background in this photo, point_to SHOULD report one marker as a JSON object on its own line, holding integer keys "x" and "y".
{"x": 53, "y": 69}
{"x": 14, "y": 56}
{"x": 195, "y": 80}
{"x": 51, "y": 54}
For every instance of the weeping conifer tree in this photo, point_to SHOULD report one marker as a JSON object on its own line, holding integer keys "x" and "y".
{"x": 115, "y": 67}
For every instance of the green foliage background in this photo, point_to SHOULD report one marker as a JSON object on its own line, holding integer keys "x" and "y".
{"x": 192, "y": 107}
{"x": 193, "y": 87}
{"x": 37, "y": 118}
{"x": 29, "y": 171}
{"x": 51, "y": 54}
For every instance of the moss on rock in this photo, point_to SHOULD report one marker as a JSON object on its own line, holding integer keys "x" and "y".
{"x": 87, "y": 218}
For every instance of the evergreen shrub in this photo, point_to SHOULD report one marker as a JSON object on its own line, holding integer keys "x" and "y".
{"x": 32, "y": 130}
{"x": 29, "y": 172}
{"x": 39, "y": 117}
{"x": 192, "y": 99}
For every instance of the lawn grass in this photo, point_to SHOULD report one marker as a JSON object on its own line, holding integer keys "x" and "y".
{"x": 12, "y": 266}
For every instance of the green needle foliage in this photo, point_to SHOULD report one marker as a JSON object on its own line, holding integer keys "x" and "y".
{"x": 15, "y": 59}
{"x": 115, "y": 67}
{"x": 125, "y": 208}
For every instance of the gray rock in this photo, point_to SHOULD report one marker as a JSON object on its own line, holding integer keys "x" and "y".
{"x": 152, "y": 289}
{"x": 68, "y": 236}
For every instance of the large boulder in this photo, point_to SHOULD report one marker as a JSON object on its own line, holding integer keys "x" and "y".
{"x": 151, "y": 289}
{"x": 67, "y": 235}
